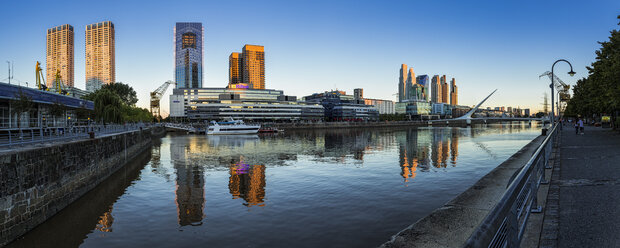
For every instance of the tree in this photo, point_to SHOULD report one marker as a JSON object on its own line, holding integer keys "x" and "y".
{"x": 22, "y": 104}
{"x": 108, "y": 105}
{"x": 124, "y": 91}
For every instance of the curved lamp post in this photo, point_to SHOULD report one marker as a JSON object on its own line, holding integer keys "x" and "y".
{"x": 571, "y": 73}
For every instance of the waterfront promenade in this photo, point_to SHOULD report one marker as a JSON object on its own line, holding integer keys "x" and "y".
{"x": 582, "y": 208}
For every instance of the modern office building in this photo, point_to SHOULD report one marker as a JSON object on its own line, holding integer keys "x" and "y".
{"x": 383, "y": 106}
{"x": 188, "y": 52}
{"x": 358, "y": 93}
{"x": 435, "y": 89}
{"x": 409, "y": 84}
{"x": 424, "y": 82}
{"x": 339, "y": 106}
{"x": 235, "y": 73}
{"x": 201, "y": 104}
{"x": 59, "y": 54}
{"x": 100, "y": 55}
{"x": 526, "y": 112}
{"x": 444, "y": 90}
{"x": 401, "y": 83}
{"x": 247, "y": 68}
{"x": 454, "y": 100}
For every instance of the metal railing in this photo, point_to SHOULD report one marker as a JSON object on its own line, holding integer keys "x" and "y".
{"x": 10, "y": 138}
{"x": 505, "y": 224}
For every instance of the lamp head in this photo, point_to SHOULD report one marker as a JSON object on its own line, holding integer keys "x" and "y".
{"x": 571, "y": 73}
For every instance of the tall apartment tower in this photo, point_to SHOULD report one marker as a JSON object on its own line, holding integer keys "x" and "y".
{"x": 454, "y": 100}
{"x": 401, "y": 83}
{"x": 59, "y": 54}
{"x": 100, "y": 61}
{"x": 423, "y": 81}
{"x": 436, "y": 90}
{"x": 358, "y": 94}
{"x": 444, "y": 90}
{"x": 235, "y": 67}
{"x": 409, "y": 93}
{"x": 254, "y": 66}
{"x": 188, "y": 60}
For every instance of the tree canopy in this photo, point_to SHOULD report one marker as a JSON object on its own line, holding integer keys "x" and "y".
{"x": 599, "y": 93}
{"x": 123, "y": 91}
{"x": 116, "y": 104}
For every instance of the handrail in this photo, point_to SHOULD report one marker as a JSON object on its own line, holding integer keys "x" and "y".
{"x": 505, "y": 224}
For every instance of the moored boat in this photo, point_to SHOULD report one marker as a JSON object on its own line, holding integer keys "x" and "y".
{"x": 232, "y": 127}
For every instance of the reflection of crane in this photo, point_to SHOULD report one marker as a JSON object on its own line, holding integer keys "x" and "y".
{"x": 561, "y": 87}
{"x": 39, "y": 73}
{"x": 156, "y": 97}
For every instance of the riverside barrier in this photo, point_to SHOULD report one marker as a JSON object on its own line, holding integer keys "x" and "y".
{"x": 38, "y": 182}
{"x": 491, "y": 213}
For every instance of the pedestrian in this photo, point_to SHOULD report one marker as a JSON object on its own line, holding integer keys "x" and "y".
{"x": 581, "y": 125}
{"x": 577, "y": 126}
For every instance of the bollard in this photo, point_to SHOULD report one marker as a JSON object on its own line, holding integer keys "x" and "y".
{"x": 544, "y": 131}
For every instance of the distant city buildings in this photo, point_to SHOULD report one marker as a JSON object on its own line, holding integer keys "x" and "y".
{"x": 444, "y": 90}
{"x": 453, "y": 93}
{"x": 100, "y": 55}
{"x": 424, "y": 81}
{"x": 435, "y": 89}
{"x": 358, "y": 93}
{"x": 247, "y": 69}
{"x": 401, "y": 82}
{"x": 339, "y": 106}
{"x": 188, "y": 52}
{"x": 59, "y": 54}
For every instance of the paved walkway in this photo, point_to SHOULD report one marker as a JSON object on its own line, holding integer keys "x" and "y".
{"x": 585, "y": 211}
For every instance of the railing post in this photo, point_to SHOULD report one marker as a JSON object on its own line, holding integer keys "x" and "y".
{"x": 513, "y": 227}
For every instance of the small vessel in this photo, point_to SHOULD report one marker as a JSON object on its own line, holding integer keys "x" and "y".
{"x": 268, "y": 129}
{"x": 232, "y": 127}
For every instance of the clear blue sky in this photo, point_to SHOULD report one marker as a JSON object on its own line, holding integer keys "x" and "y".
{"x": 313, "y": 46}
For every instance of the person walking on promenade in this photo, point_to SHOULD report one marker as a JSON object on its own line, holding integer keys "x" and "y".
{"x": 581, "y": 125}
{"x": 577, "y": 126}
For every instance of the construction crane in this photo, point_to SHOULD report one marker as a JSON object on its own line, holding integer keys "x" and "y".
{"x": 60, "y": 87}
{"x": 561, "y": 87}
{"x": 156, "y": 97}
{"x": 39, "y": 76}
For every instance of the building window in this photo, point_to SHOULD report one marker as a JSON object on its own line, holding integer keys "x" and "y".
{"x": 189, "y": 40}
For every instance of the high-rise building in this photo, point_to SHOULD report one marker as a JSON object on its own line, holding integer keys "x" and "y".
{"x": 454, "y": 100}
{"x": 235, "y": 65}
{"x": 436, "y": 89}
{"x": 247, "y": 69}
{"x": 409, "y": 91}
{"x": 401, "y": 83}
{"x": 59, "y": 54}
{"x": 100, "y": 62}
{"x": 188, "y": 60}
{"x": 423, "y": 81}
{"x": 254, "y": 66}
{"x": 444, "y": 90}
{"x": 358, "y": 93}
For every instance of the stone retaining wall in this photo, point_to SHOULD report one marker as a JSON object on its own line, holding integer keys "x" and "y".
{"x": 37, "y": 183}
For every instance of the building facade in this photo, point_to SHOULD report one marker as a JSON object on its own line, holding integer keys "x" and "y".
{"x": 409, "y": 84}
{"x": 188, "y": 54}
{"x": 424, "y": 82}
{"x": 339, "y": 106}
{"x": 201, "y": 104}
{"x": 444, "y": 90}
{"x": 358, "y": 93}
{"x": 454, "y": 100}
{"x": 401, "y": 82}
{"x": 435, "y": 89}
{"x": 100, "y": 55}
{"x": 235, "y": 73}
{"x": 383, "y": 106}
{"x": 254, "y": 66}
{"x": 59, "y": 54}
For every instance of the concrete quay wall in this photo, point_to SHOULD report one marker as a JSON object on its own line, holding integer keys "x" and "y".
{"x": 36, "y": 183}
{"x": 453, "y": 223}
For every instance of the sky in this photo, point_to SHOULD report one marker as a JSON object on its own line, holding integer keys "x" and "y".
{"x": 316, "y": 46}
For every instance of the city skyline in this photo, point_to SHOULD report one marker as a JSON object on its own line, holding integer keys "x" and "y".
{"x": 480, "y": 54}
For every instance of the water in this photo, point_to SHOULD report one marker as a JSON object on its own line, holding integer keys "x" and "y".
{"x": 317, "y": 188}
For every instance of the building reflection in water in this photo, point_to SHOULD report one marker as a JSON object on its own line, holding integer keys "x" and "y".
{"x": 105, "y": 221}
{"x": 190, "y": 184}
{"x": 414, "y": 155}
{"x": 248, "y": 182}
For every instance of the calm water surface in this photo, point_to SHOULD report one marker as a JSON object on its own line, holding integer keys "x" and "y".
{"x": 318, "y": 188}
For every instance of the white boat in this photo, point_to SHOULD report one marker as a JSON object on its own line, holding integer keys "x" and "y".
{"x": 232, "y": 127}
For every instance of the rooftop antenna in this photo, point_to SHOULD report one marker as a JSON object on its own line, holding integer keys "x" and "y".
{"x": 9, "y": 65}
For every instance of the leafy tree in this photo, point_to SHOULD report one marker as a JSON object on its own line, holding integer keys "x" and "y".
{"x": 124, "y": 91}
{"x": 21, "y": 105}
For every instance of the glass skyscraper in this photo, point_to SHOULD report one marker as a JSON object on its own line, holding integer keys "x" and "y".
{"x": 188, "y": 43}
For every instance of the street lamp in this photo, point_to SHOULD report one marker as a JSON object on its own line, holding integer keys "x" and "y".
{"x": 571, "y": 73}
